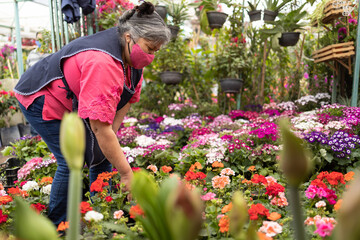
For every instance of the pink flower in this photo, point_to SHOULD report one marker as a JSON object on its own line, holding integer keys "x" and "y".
{"x": 306, "y": 75}
{"x": 209, "y": 196}
{"x": 323, "y": 229}
{"x": 118, "y": 214}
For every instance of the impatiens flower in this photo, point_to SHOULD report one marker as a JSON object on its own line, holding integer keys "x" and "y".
{"x": 38, "y": 207}
{"x": 46, "y": 189}
{"x": 320, "y": 204}
{"x": 93, "y": 216}
{"x": 271, "y": 229}
{"x": 30, "y": 186}
{"x": 224, "y": 224}
{"x": 118, "y": 214}
{"x": 62, "y": 226}
{"x": 227, "y": 208}
{"x": 209, "y": 196}
{"x": 220, "y": 181}
{"x": 108, "y": 198}
{"x": 257, "y": 209}
{"x": 166, "y": 169}
{"x": 85, "y": 207}
{"x": 136, "y": 211}
{"x": 227, "y": 172}
{"x": 152, "y": 168}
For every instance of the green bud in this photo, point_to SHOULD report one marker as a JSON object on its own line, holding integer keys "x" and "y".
{"x": 72, "y": 140}
{"x": 295, "y": 160}
{"x": 32, "y": 226}
{"x": 238, "y": 215}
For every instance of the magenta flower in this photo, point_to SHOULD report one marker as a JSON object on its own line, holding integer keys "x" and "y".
{"x": 323, "y": 229}
{"x": 209, "y": 196}
{"x": 306, "y": 75}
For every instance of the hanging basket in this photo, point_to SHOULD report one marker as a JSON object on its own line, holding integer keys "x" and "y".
{"x": 161, "y": 10}
{"x": 174, "y": 31}
{"x": 269, "y": 15}
{"x": 216, "y": 19}
{"x": 254, "y": 15}
{"x": 170, "y": 77}
{"x": 289, "y": 39}
{"x": 231, "y": 85}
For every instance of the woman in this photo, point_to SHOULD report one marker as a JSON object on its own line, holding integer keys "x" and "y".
{"x": 99, "y": 76}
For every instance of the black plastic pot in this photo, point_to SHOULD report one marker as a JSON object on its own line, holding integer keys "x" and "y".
{"x": 170, "y": 77}
{"x": 174, "y": 31}
{"x": 231, "y": 85}
{"x": 161, "y": 10}
{"x": 24, "y": 129}
{"x": 269, "y": 15}
{"x": 9, "y": 135}
{"x": 216, "y": 19}
{"x": 11, "y": 166}
{"x": 289, "y": 39}
{"x": 254, "y": 15}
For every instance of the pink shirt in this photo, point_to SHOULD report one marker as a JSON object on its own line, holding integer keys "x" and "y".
{"x": 95, "y": 78}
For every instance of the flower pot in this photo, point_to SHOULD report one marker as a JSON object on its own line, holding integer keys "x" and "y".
{"x": 174, "y": 31}
{"x": 289, "y": 39}
{"x": 11, "y": 166}
{"x": 9, "y": 135}
{"x": 216, "y": 19}
{"x": 171, "y": 77}
{"x": 24, "y": 129}
{"x": 231, "y": 85}
{"x": 255, "y": 15}
{"x": 269, "y": 15}
{"x": 161, "y": 10}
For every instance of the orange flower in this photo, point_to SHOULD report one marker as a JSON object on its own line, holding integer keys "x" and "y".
{"x": 5, "y": 199}
{"x": 224, "y": 224}
{"x": 152, "y": 168}
{"x": 17, "y": 192}
{"x": 252, "y": 169}
{"x": 98, "y": 185}
{"x": 227, "y": 208}
{"x": 274, "y": 216}
{"x": 262, "y": 236}
{"x": 136, "y": 211}
{"x": 337, "y": 205}
{"x": 194, "y": 166}
{"x": 217, "y": 164}
{"x": 63, "y": 226}
{"x": 349, "y": 176}
{"x": 1, "y": 186}
{"x": 220, "y": 181}
{"x": 46, "y": 180}
{"x": 166, "y": 169}
{"x": 85, "y": 207}
{"x": 106, "y": 175}
{"x": 246, "y": 181}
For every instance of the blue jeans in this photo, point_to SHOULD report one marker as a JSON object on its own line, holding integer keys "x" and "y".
{"x": 49, "y": 131}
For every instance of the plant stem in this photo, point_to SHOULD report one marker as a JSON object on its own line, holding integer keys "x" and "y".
{"x": 73, "y": 211}
{"x": 298, "y": 221}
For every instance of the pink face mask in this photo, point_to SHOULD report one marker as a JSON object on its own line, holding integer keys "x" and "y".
{"x": 139, "y": 58}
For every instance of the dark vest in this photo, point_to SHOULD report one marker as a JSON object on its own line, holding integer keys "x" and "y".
{"x": 51, "y": 68}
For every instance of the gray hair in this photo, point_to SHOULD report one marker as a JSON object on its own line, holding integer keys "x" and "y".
{"x": 143, "y": 22}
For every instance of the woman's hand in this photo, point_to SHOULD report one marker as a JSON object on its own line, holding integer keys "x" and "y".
{"x": 126, "y": 180}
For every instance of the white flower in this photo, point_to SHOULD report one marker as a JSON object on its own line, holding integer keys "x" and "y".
{"x": 270, "y": 228}
{"x": 320, "y": 204}
{"x": 3, "y": 193}
{"x": 130, "y": 121}
{"x": 30, "y": 186}
{"x": 144, "y": 141}
{"x": 227, "y": 172}
{"x": 118, "y": 214}
{"x": 169, "y": 121}
{"x": 46, "y": 189}
{"x": 93, "y": 216}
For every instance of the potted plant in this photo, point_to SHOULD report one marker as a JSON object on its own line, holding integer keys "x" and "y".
{"x": 210, "y": 14}
{"x": 272, "y": 8}
{"x": 179, "y": 14}
{"x": 170, "y": 61}
{"x": 286, "y": 26}
{"x": 160, "y": 8}
{"x": 8, "y": 107}
{"x": 108, "y": 14}
{"x": 254, "y": 14}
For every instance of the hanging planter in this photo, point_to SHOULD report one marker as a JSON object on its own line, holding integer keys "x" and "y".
{"x": 174, "y": 31}
{"x": 9, "y": 134}
{"x": 231, "y": 85}
{"x": 216, "y": 19}
{"x": 269, "y": 15}
{"x": 289, "y": 39}
{"x": 161, "y": 10}
{"x": 254, "y": 15}
{"x": 170, "y": 77}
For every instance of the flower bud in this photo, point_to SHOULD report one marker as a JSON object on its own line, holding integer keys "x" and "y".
{"x": 295, "y": 160}
{"x": 72, "y": 140}
{"x": 238, "y": 215}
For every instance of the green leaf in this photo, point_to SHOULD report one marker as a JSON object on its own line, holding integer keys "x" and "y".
{"x": 329, "y": 157}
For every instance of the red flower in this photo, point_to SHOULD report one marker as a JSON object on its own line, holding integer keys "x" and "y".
{"x": 5, "y": 199}
{"x": 135, "y": 169}
{"x": 273, "y": 189}
{"x": 38, "y": 207}
{"x": 259, "y": 179}
{"x": 200, "y": 175}
{"x": 334, "y": 178}
{"x": 3, "y": 218}
{"x": 136, "y": 211}
{"x": 17, "y": 192}
{"x": 190, "y": 176}
{"x": 85, "y": 207}
{"x": 258, "y": 209}
{"x": 98, "y": 185}
{"x": 318, "y": 183}
{"x": 166, "y": 169}
{"x": 108, "y": 199}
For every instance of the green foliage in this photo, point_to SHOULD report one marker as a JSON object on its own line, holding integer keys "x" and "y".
{"x": 275, "y": 5}
{"x": 178, "y": 12}
{"x": 45, "y": 40}
{"x": 253, "y": 5}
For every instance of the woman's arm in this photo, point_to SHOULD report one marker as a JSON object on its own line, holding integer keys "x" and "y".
{"x": 119, "y": 117}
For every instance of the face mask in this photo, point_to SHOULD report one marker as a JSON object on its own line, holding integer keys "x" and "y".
{"x": 38, "y": 43}
{"x": 139, "y": 58}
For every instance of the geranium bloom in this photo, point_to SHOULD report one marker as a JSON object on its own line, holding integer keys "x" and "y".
{"x": 106, "y": 175}
{"x": 220, "y": 181}
{"x": 259, "y": 179}
{"x": 3, "y": 217}
{"x": 252, "y": 169}
{"x": 166, "y": 169}
{"x": 320, "y": 204}
{"x": 136, "y": 211}
{"x": 17, "y": 192}
{"x": 98, "y": 185}
{"x": 271, "y": 229}
{"x": 279, "y": 200}
{"x": 323, "y": 229}
{"x": 85, "y": 207}
{"x": 93, "y": 216}
{"x": 224, "y": 224}
{"x": 30, "y": 186}
{"x": 5, "y": 199}
{"x": 38, "y": 207}
{"x": 209, "y": 196}
{"x": 118, "y": 214}
{"x": 227, "y": 172}
{"x": 349, "y": 176}
{"x": 46, "y": 189}
{"x": 273, "y": 189}
{"x": 227, "y": 208}
{"x": 217, "y": 164}
{"x": 274, "y": 216}
{"x": 193, "y": 176}
{"x": 108, "y": 198}
{"x": 62, "y": 226}
{"x": 337, "y": 205}
{"x": 333, "y": 178}
{"x": 257, "y": 209}
{"x": 152, "y": 168}
{"x": 46, "y": 180}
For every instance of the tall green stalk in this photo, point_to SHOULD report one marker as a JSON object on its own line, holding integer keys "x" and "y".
{"x": 74, "y": 199}
{"x": 298, "y": 220}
